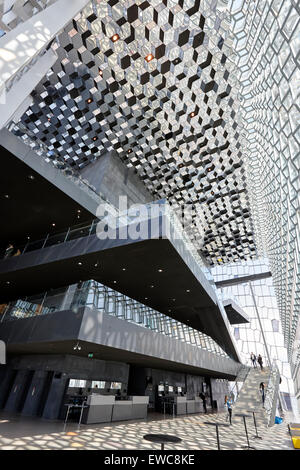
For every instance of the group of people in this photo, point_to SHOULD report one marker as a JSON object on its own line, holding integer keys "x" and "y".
{"x": 255, "y": 359}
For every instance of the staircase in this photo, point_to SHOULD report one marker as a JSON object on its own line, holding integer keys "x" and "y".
{"x": 249, "y": 398}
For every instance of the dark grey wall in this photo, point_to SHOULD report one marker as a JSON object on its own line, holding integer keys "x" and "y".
{"x": 37, "y": 385}
{"x": 52, "y": 327}
{"x": 112, "y": 179}
{"x": 144, "y": 381}
{"x": 120, "y": 340}
{"x": 32, "y": 399}
{"x": 83, "y": 367}
{"x": 219, "y": 389}
{"x": 100, "y": 328}
{"x": 28, "y": 386}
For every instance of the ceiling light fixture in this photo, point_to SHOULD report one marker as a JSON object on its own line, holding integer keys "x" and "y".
{"x": 193, "y": 114}
{"x": 89, "y": 100}
{"x": 149, "y": 57}
{"x": 115, "y": 37}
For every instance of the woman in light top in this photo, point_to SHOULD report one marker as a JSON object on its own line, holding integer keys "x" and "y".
{"x": 228, "y": 403}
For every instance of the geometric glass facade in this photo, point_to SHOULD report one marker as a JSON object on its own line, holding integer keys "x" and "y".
{"x": 266, "y": 40}
{"x": 199, "y": 100}
{"x": 263, "y": 334}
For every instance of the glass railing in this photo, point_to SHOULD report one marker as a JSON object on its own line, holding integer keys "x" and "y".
{"x": 71, "y": 233}
{"x": 236, "y": 386}
{"x": 116, "y": 220}
{"x": 104, "y": 299}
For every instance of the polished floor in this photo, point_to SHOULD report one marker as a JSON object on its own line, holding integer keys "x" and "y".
{"x": 21, "y": 433}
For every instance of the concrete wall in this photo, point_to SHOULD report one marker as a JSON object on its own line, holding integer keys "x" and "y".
{"x": 111, "y": 177}
{"x": 36, "y": 385}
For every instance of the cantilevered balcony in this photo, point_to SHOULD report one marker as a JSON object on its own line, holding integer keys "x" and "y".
{"x": 109, "y": 325}
{"x": 150, "y": 260}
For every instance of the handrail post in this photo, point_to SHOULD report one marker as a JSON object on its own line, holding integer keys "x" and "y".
{"x": 25, "y": 248}
{"x": 66, "y": 237}
{"x": 45, "y": 241}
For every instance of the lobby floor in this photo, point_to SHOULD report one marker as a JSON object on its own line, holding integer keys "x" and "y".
{"x": 24, "y": 433}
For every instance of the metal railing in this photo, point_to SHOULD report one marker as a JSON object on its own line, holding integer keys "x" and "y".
{"x": 236, "y": 387}
{"x": 71, "y": 233}
{"x": 116, "y": 220}
{"x": 104, "y": 299}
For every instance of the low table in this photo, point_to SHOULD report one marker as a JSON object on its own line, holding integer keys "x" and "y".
{"x": 161, "y": 439}
{"x": 217, "y": 424}
{"x": 244, "y": 416}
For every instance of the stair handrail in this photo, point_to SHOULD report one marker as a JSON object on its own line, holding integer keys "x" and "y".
{"x": 241, "y": 377}
{"x": 272, "y": 393}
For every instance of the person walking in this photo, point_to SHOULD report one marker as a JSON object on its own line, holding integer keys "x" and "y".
{"x": 262, "y": 391}
{"x": 203, "y": 398}
{"x": 253, "y": 359}
{"x": 260, "y": 361}
{"x": 228, "y": 403}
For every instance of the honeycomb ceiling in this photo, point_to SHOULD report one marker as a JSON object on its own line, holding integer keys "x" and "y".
{"x": 156, "y": 82}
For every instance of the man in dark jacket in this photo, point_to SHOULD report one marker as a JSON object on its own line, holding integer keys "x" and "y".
{"x": 260, "y": 361}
